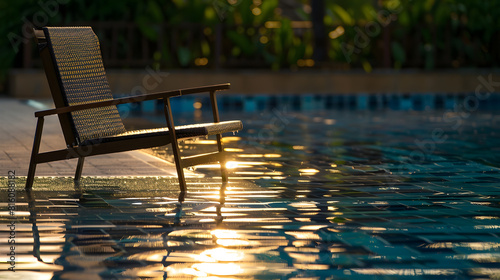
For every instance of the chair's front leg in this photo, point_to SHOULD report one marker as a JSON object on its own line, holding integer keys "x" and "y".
{"x": 79, "y": 168}
{"x": 34, "y": 153}
{"x": 215, "y": 109}
{"x": 175, "y": 148}
{"x": 222, "y": 161}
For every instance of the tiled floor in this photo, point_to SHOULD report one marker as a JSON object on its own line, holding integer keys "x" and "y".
{"x": 17, "y": 129}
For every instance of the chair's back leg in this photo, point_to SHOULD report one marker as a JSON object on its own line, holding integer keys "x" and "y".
{"x": 34, "y": 153}
{"x": 223, "y": 169}
{"x": 215, "y": 112}
{"x": 79, "y": 168}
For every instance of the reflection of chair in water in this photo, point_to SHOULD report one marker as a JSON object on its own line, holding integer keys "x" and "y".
{"x": 178, "y": 211}
{"x": 37, "y": 252}
{"x": 58, "y": 239}
{"x": 49, "y": 225}
{"x": 89, "y": 116}
{"x": 34, "y": 226}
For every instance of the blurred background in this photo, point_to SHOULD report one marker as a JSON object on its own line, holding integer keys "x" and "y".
{"x": 271, "y": 35}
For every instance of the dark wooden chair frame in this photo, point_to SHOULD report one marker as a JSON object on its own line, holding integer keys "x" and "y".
{"x": 78, "y": 151}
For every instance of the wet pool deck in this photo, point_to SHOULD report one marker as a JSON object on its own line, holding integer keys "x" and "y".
{"x": 373, "y": 218}
{"x": 17, "y": 130}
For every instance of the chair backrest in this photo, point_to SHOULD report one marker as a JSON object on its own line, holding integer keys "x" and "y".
{"x": 73, "y": 65}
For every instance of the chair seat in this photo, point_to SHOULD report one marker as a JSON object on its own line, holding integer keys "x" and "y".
{"x": 182, "y": 132}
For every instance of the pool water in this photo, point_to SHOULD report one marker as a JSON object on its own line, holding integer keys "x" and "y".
{"x": 327, "y": 194}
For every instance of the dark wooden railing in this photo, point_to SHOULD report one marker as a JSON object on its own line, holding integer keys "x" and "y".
{"x": 191, "y": 45}
{"x": 123, "y": 45}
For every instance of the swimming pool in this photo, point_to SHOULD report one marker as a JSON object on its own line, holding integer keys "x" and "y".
{"x": 319, "y": 194}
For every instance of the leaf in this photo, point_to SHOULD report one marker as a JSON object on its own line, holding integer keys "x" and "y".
{"x": 211, "y": 15}
{"x": 286, "y": 32}
{"x": 267, "y": 11}
{"x": 154, "y": 12}
{"x": 242, "y": 41}
{"x": 146, "y": 28}
{"x": 429, "y": 4}
{"x": 398, "y": 53}
{"x": 244, "y": 9}
{"x": 205, "y": 48}
{"x": 367, "y": 66}
{"x": 343, "y": 15}
{"x": 184, "y": 56}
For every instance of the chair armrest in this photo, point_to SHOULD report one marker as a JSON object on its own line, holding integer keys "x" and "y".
{"x": 211, "y": 88}
{"x": 132, "y": 99}
{"x": 124, "y": 100}
{"x": 213, "y": 99}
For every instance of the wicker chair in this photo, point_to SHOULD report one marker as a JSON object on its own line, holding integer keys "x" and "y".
{"x": 89, "y": 116}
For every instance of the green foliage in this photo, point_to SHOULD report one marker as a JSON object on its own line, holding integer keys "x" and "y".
{"x": 427, "y": 34}
{"x": 423, "y": 34}
{"x": 241, "y": 41}
{"x": 343, "y": 16}
{"x": 399, "y": 55}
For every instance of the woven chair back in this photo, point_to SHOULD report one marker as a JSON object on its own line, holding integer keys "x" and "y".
{"x": 82, "y": 79}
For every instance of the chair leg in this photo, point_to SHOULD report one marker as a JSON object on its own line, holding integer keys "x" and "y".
{"x": 34, "y": 154}
{"x": 31, "y": 174}
{"x": 223, "y": 169}
{"x": 215, "y": 112}
{"x": 180, "y": 170}
{"x": 175, "y": 148}
{"x": 79, "y": 168}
